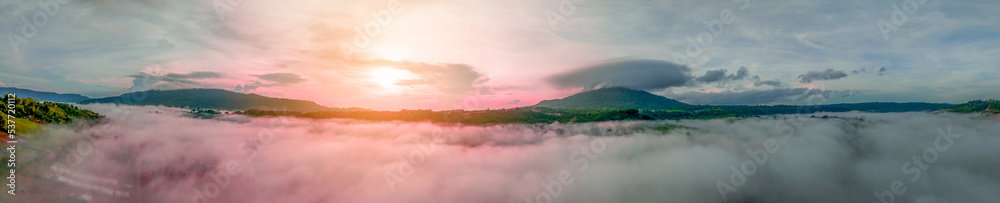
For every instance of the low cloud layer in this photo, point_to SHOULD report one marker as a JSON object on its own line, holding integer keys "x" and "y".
{"x": 630, "y": 73}
{"x": 846, "y": 158}
{"x": 828, "y": 74}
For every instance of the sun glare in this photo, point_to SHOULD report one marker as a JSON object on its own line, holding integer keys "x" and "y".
{"x": 387, "y": 77}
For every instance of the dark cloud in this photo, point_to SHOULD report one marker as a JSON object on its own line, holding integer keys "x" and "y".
{"x": 828, "y": 74}
{"x": 269, "y": 80}
{"x": 712, "y": 76}
{"x": 881, "y": 70}
{"x": 769, "y": 96}
{"x": 720, "y": 75}
{"x": 146, "y": 81}
{"x": 630, "y": 73}
{"x": 758, "y": 82}
{"x": 774, "y": 83}
{"x": 176, "y": 77}
{"x": 283, "y": 78}
{"x": 741, "y": 73}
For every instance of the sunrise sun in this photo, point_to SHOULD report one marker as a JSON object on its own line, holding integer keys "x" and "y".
{"x": 388, "y": 77}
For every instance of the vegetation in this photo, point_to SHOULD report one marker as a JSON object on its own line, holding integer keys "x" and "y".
{"x": 29, "y": 113}
{"x": 988, "y": 106}
{"x": 48, "y": 112}
{"x": 20, "y": 125}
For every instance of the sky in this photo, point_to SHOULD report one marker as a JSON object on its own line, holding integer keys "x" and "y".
{"x": 451, "y": 54}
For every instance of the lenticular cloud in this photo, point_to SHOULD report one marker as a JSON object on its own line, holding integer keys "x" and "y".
{"x": 156, "y": 154}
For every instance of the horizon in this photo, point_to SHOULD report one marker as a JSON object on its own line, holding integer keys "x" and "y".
{"x": 409, "y": 54}
{"x": 531, "y": 105}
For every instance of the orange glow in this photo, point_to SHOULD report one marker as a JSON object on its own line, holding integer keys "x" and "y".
{"x": 387, "y": 77}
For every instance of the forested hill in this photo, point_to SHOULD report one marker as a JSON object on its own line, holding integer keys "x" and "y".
{"x": 615, "y": 98}
{"x": 990, "y": 106}
{"x": 43, "y": 96}
{"x": 209, "y": 99}
{"x": 29, "y": 113}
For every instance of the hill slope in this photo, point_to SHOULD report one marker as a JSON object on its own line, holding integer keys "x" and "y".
{"x": 991, "y": 106}
{"x": 209, "y": 99}
{"x": 28, "y": 113}
{"x": 43, "y": 96}
{"x": 615, "y": 98}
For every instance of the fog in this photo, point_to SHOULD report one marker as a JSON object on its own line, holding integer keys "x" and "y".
{"x": 165, "y": 156}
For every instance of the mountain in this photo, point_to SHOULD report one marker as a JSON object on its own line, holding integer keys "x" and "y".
{"x": 615, "y": 98}
{"x": 44, "y": 96}
{"x": 209, "y": 99}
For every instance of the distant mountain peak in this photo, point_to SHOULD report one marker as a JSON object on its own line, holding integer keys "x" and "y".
{"x": 614, "y": 98}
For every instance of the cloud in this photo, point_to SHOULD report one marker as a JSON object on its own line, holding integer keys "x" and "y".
{"x": 881, "y": 70}
{"x": 767, "y": 96}
{"x": 720, "y": 75}
{"x": 758, "y": 82}
{"x": 712, "y": 76}
{"x": 269, "y": 80}
{"x": 448, "y": 78}
{"x": 281, "y": 78}
{"x": 828, "y": 74}
{"x": 773, "y": 83}
{"x": 740, "y": 74}
{"x": 182, "y": 78}
{"x": 845, "y": 158}
{"x": 146, "y": 81}
{"x": 630, "y": 73}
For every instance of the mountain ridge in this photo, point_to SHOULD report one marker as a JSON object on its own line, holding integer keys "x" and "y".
{"x": 209, "y": 99}
{"x": 44, "y": 96}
